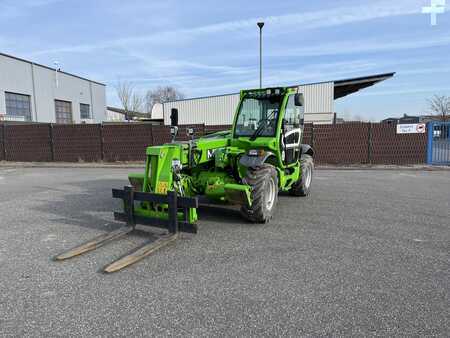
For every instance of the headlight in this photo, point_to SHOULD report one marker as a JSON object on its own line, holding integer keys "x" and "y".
{"x": 176, "y": 165}
{"x": 256, "y": 152}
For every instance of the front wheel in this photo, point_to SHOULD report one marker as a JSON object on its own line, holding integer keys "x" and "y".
{"x": 264, "y": 183}
{"x": 303, "y": 186}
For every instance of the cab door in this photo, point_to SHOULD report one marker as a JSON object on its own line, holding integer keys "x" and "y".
{"x": 292, "y": 129}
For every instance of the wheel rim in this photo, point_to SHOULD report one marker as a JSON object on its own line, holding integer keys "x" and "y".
{"x": 307, "y": 175}
{"x": 270, "y": 194}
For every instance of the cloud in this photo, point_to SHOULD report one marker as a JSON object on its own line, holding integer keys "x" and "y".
{"x": 303, "y": 20}
{"x": 12, "y": 9}
{"x": 362, "y": 46}
{"x": 406, "y": 91}
{"x": 279, "y": 75}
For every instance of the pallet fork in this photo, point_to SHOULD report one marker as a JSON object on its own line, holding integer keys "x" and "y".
{"x": 172, "y": 224}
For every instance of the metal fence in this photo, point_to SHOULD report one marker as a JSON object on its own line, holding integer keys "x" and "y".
{"x": 341, "y": 144}
{"x": 438, "y": 150}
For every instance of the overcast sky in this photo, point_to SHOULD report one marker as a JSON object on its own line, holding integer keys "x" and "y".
{"x": 211, "y": 47}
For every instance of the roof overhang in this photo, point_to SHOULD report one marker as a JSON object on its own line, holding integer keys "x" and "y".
{"x": 349, "y": 86}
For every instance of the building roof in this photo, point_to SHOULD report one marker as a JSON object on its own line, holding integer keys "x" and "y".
{"x": 349, "y": 86}
{"x": 122, "y": 111}
{"x": 50, "y": 68}
{"x": 341, "y": 87}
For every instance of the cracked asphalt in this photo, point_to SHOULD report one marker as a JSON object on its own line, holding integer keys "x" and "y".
{"x": 367, "y": 254}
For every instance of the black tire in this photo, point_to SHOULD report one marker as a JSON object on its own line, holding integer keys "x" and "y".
{"x": 264, "y": 183}
{"x": 303, "y": 186}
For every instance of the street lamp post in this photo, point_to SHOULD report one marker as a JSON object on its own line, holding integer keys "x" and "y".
{"x": 260, "y": 25}
{"x": 57, "y": 68}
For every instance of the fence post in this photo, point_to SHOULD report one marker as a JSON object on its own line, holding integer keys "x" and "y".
{"x": 152, "y": 134}
{"x": 102, "y": 155}
{"x": 52, "y": 145}
{"x": 4, "y": 140}
{"x": 369, "y": 144}
{"x": 430, "y": 130}
{"x": 172, "y": 210}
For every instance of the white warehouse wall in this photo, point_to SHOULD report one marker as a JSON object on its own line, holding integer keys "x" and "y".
{"x": 213, "y": 110}
{"x": 14, "y": 77}
{"x": 98, "y": 102}
{"x": 17, "y": 76}
{"x": 319, "y": 102}
{"x": 217, "y": 110}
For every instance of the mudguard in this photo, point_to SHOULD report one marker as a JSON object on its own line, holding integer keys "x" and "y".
{"x": 254, "y": 161}
{"x": 307, "y": 149}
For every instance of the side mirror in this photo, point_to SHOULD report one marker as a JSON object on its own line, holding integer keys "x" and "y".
{"x": 299, "y": 100}
{"x": 174, "y": 117}
{"x": 173, "y": 132}
{"x": 190, "y": 132}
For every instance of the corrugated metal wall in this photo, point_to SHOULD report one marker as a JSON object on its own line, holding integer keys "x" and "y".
{"x": 214, "y": 110}
{"x": 319, "y": 102}
{"x": 208, "y": 110}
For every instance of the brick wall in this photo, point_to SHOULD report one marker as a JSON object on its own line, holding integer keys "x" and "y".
{"x": 78, "y": 142}
{"x": 28, "y": 142}
{"x": 307, "y": 134}
{"x": 388, "y": 147}
{"x": 2, "y": 146}
{"x": 348, "y": 143}
{"x": 199, "y": 130}
{"x": 160, "y": 135}
{"x": 126, "y": 142}
{"x": 341, "y": 143}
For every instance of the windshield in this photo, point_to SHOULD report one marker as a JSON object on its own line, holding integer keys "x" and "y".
{"x": 258, "y": 114}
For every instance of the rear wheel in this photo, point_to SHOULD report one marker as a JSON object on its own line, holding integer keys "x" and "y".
{"x": 303, "y": 185}
{"x": 264, "y": 183}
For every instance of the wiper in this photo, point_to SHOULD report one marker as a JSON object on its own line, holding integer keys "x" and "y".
{"x": 262, "y": 126}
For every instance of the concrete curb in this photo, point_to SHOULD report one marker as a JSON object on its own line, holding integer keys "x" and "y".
{"x": 387, "y": 167}
{"x": 4, "y": 164}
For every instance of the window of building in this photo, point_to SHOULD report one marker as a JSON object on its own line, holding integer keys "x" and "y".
{"x": 18, "y": 106}
{"x": 85, "y": 111}
{"x": 63, "y": 112}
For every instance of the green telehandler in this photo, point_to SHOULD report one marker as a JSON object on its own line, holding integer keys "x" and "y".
{"x": 248, "y": 166}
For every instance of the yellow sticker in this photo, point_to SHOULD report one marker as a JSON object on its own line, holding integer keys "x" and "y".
{"x": 162, "y": 187}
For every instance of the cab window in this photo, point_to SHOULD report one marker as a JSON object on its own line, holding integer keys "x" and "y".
{"x": 292, "y": 114}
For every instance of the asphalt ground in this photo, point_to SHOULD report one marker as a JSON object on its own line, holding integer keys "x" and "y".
{"x": 366, "y": 254}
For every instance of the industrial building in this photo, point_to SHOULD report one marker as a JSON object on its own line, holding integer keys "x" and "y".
{"x": 37, "y": 93}
{"x": 220, "y": 109}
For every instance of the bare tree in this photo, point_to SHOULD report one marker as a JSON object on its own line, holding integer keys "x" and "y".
{"x": 440, "y": 105}
{"x": 358, "y": 118}
{"x": 131, "y": 100}
{"x": 137, "y": 102}
{"x": 161, "y": 94}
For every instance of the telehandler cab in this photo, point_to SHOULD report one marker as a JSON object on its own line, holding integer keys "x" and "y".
{"x": 248, "y": 166}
